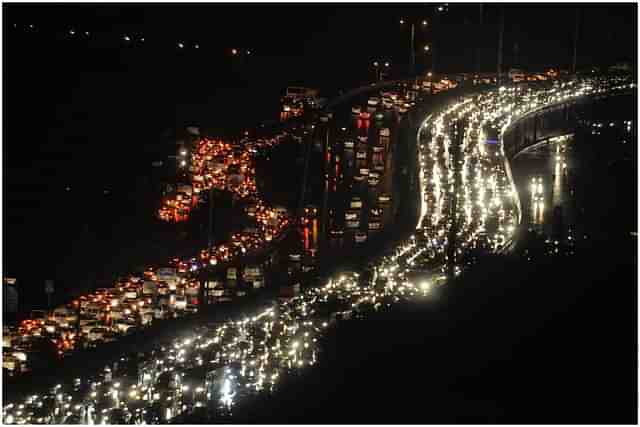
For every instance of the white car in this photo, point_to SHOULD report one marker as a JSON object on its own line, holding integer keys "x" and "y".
{"x": 181, "y": 302}
{"x": 384, "y": 198}
{"x": 160, "y": 313}
{"x": 385, "y": 132}
{"x": 124, "y": 326}
{"x": 88, "y": 326}
{"x": 373, "y": 101}
{"x": 130, "y": 293}
{"x": 97, "y": 334}
{"x": 9, "y": 362}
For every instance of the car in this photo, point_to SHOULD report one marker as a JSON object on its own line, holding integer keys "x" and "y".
{"x": 360, "y": 237}
{"x": 125, "y": 326}
{"x": 180, "y": 302}
{"x": 385, "y": 132}
{"x": 10, "y": 362}
{"x": 101, "y": 291}
{"x": 336, "y": 234}
{"x": 161, "y": 312}
{"x": 374, "y": 100}
{"x": 89, "y": 325}
{"x": 67, "y": 319}
{"x": 365, "y": 115}
{"x": 163, "y": 288}
{"x": 192, "y": 288}
{"x": 384, "y": 198}
{"x": 351, "y": 215}
{"x": 97, "y": 334}
{"x": 149, "y": 287}
{"x": 191, "y": 308}
{"x": 131, "y": 292}
{"x": 146, "y": 318}
{"x": 356, "y": 203}
{"x": 355, "y": 110}
{"x": 118, "y": 313}
{"x": 359, "y": 178}
{"x": 352, "y": 224}
{"x": 295, "y": 257}
{"x": 7, "y": 339}
{"x": 50, "y": 326}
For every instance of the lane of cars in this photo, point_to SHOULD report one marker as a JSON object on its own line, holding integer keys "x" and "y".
{"x": 360, "y": 178}
{"x": 136, "y": 302}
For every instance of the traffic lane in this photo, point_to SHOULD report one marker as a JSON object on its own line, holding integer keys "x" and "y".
{"x": 86, "y": 363}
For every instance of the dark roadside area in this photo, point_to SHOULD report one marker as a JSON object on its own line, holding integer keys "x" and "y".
{"x": 510, "y": 342}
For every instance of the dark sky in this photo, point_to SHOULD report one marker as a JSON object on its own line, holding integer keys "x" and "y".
{"x": 330, "y": 37}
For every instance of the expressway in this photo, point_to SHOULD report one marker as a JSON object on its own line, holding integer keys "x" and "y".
{"x": 219, "y": 365}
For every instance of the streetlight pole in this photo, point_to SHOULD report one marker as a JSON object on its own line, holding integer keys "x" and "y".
{"x": 500, "y": 37}
{"x": 379, "y": 69}
{"x": 575, "y": 42}
{"x": 412, "y": 56}
{"x": 478, "y": 42}
{"x": 210, "y": 243}
{"x": 412, "y": 46}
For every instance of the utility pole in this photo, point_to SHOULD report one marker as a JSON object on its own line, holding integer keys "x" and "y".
{"x": 479, "y": 36}
{"x": 575, "y": 41}
{"x": 210, "y": 243}
{"x": 325, "y": 193}
{"x": 458, "y": 132}
{"x": 434, "y": 36}
{"x": 412, "y": 54}
{"x": 500, "y": 37}
{"x": 307, "y": 155}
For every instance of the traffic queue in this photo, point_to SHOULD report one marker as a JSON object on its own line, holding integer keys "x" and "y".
{"x": 101, "y": 316}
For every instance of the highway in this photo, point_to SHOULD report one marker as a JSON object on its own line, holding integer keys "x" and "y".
{"x": 219, "y": 365}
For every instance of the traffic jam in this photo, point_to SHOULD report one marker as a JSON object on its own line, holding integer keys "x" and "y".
{"x": 221, "y": 365}
{"x": 136, "y": 302}
{"x": 360, "y": 173}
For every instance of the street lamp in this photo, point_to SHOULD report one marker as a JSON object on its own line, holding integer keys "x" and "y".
{"x": 412, "y": 52}
{"x": 435, "y": 12}
{"x": 426, "y": 48}
{"x": 379, "y": 68}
